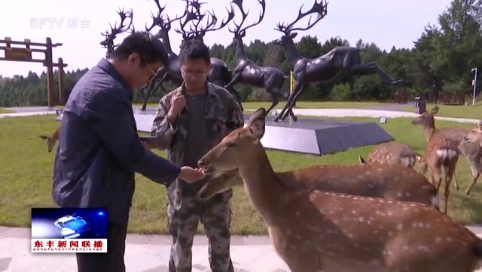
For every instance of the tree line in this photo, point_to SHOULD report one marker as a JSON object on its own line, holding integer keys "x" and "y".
{"x": 441, "y": 60}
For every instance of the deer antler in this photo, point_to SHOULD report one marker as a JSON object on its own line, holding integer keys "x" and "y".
{"x": 318, "y": 8}
{"x": 242, "y": 31}
{"x": 116, "y": 30}
{"x": 189, "y": 16}
{"x": 200, "y": 31}
{"x": 156, "y": 20}
{"x": 215, "y": 19}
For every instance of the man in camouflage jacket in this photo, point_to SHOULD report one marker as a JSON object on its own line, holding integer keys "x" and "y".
{"x": 221, "y": 116}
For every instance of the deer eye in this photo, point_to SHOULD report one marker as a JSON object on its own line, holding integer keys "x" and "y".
{"x": 229, "y": 145}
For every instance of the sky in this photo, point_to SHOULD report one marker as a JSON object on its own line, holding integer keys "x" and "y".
{"x": 78, "y": 24}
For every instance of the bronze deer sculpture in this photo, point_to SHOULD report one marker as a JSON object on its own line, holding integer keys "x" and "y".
{"x": 220, "y": 73}
{"x": 171, "y": 71}
{"x": 326, "y": 67}
{"x": 247, "y": 72}
{"x": 314, "y": 230}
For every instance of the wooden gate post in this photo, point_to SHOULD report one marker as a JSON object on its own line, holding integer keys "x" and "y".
{"x": 62, "y": 90}
{"x": 13, "y": 53}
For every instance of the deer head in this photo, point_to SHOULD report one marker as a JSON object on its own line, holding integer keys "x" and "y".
{"x": 116, "y": 30}
{"x": 162, "y": 20}
{"x": 239, "y": 31}
{"x": 427, "y": 118}
{"x": 197, "y": 31}
{"x": 241, "y": 145}
{"x": 289, "y": 30}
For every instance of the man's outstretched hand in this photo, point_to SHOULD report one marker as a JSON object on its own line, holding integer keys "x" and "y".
{"x": 190, "y": 174}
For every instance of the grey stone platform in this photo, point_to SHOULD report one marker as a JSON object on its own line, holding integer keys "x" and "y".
{"x": 307, "y": 135}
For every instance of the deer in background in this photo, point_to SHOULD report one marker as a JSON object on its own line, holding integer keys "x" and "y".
{"x": 392, "y": 153}
{"x": 427, "y": 121}
{"x": 247, "y": 72}
{"x": 314, "y": 230}
{"x": 442, "y": 153}
{"x": 171, "y": 71}
{"x": 324, "y": 68}
{"x": 51, "y": 140}
{"x": 471, "y": 147}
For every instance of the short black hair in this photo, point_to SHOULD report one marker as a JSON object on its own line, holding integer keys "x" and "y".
{"x": 149, "y": 48}
{"x": 194, "y": 50}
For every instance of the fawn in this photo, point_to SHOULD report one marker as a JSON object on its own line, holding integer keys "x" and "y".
{"x": 471, "y": 147}
{"x": 392, "y": 153}
{"x": 441, "y": 153}
{"x": 314, "y": 230}
{"x": 51, "y": 140}
{"x": 427, "y": 120}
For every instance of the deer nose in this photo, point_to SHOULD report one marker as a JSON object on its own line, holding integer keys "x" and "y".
{"x": 202, "y": 162}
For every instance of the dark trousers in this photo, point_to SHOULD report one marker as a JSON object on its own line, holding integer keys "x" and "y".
{"x": 113, "y": 260}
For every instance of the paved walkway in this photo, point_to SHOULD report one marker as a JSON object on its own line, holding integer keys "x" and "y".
{"x": 374, "y": 113}
{"x": 143, "y": 254}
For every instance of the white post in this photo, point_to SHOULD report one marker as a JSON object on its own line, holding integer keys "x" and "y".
{"x": 474, "y": 83}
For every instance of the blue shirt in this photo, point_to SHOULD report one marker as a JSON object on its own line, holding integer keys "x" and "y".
{"x": 99, "y": 149}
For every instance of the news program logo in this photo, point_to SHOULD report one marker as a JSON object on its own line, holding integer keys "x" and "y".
{"x": 69, "y": 230}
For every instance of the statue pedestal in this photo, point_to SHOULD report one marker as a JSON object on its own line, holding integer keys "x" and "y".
{"x": 320, "y": 136}
{"x": 306, "y": 136}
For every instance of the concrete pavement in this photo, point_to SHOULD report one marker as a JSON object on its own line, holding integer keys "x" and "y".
{"x": 305, "y": 112}
{"x": 144, "y": 253}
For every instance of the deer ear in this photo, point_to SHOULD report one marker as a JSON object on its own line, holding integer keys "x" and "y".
{"x": 293, "y": 35}
{"x": 361, "y": 159}
{"x": 434, "y": 110}
{"x": 257, "y": 123}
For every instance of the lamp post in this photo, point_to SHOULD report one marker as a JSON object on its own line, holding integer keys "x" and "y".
{"x": 474, "y": 83}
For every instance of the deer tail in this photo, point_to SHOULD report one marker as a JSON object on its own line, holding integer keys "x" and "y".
{"x": 446, "y": 154}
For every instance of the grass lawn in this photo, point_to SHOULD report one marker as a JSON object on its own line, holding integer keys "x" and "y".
{"x": 471, "y": 112}
{"x": 2, "y": 110}
{"x": 27, "y": 177}
{"x": 307, "y": 105}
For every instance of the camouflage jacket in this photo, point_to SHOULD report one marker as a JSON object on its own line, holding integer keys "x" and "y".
{"x": 223, "y": 115}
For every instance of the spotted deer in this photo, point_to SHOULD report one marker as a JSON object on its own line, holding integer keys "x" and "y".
{"x": 392, "y": 153}
{"x": 51, "y": 140}
{"x": 441, "y": 154}
{"x": 314, "y": 230}
{"x": 393, "y": 182}
{"x": 427, "y": 120}
{"x": 471, "y": 147}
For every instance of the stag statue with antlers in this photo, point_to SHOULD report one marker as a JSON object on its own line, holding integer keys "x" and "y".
{"x": 247, "y": 72}
{"x": 326, "y": 67}
{"x": 116, "y": 30}
{"x": 220, "y": 74}
{"x": 171, "y": 71}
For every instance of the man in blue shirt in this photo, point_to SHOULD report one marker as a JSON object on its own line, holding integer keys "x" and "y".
{"x": 99, "y": 149}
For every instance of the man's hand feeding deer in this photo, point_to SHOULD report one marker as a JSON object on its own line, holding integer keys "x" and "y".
{"x": 246, "y": 71}
{"x": 326, "y": 67}
{"x": 320, "y": 231}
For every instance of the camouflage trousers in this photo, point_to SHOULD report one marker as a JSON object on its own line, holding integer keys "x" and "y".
{"x": 184, "y": 214}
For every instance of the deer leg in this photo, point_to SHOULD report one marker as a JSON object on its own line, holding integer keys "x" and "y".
{"x": 475, "y": 176}
{"x": 151, "y": 87}
{"x": 236, "y": 79}
{"x": 291, "y": 102}
{"x": 449, "y": 173}
{"x": 274, "y": 101}
{"x": 437, "y": 177}
{"x": 370, "y": 68}
{"x": 456, "y": 182}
